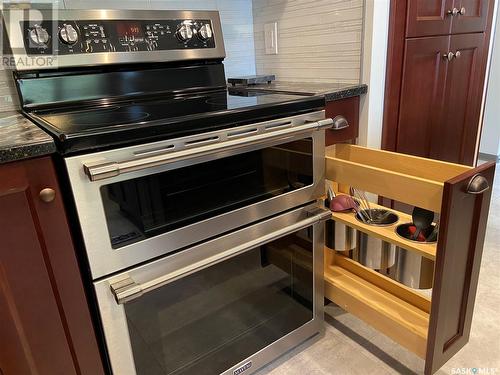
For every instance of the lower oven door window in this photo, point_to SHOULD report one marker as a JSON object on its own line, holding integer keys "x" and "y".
{"x": 147, "y": 206}
{"x": 212, "y": 319}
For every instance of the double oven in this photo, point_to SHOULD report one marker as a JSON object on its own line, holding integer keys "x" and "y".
{"x": 197, "y": 208}
{"x": 206, "y": 251}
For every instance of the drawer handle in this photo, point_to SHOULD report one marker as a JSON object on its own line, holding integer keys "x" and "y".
{"x": 477, "y": 185}
{"x": 339, "y": 123}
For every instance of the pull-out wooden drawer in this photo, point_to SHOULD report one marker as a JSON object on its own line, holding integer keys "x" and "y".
{"x": 435, "y": 328}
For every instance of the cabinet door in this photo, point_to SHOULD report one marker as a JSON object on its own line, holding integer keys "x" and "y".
{"x": 461, "y": 237}
{"x": 454, "y": 138}
{"x": 473, "y": 16}
{"x": 422, "y": 90}
{"x": 45, "y": 320}
{"x": 33, "y": 340}
{"x": 428, "y": 17}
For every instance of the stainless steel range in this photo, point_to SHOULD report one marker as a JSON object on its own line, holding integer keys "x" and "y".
{"x": 197, "y": 208}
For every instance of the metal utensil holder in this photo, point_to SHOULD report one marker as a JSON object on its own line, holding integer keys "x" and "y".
{"x": 412, "y": 269}
{"x": 373, "y": 252}
{"x": 340, "y": 237}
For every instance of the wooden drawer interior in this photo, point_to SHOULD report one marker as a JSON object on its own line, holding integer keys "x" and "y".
{"x": 392, "y": 308}
{"x": 398, "y": 311}
{"x": 409, "y": 179}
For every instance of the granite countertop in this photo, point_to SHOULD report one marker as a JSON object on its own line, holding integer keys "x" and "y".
{"x": 21, "y": 139}
{"x": 331, "y": 91}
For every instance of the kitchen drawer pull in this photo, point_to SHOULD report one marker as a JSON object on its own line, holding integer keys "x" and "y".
{"x": 477, "y": 185}
{"x": 127, "y": 289}
{"x": 100, "y": 171}
{"x": 339, "y": 123}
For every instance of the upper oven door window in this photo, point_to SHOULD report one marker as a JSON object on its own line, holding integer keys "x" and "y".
{"x": 151, "y": 205}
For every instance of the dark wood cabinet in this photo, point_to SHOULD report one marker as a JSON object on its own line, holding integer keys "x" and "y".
{"x": 453, "y": 137}
{"x": 473, "y": 16}
{"x": 441, "y": 98}
{"x": 434, "y": 84}
{"x": 424, "y": 75}
{"x": 46, "y": 324}
{"x": 441, "y": 17}
{"x": 428, "y": 17}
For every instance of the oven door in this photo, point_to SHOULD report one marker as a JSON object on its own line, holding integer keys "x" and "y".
{"x": 234, "y": 302}
{"x": 142, "y": 202}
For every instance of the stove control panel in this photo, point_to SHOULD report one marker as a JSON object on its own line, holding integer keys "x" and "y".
{"x": 97, "y": 36}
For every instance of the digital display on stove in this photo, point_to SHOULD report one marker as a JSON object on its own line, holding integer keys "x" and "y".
{"x": 129, "y": 29}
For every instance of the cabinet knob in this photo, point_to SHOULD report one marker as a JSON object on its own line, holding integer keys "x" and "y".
{"x": 458, "y": 54}
{"x": 453, "y": 12}
{"x": 461, "y": 12}
{"x": 449, "y": 56}
{"x": 47, "y": 195}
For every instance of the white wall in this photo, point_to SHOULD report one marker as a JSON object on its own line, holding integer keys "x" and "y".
{"x": 318, "y": 40}
{"x": 375, "y": 35}
{"x": 490, "y": 136}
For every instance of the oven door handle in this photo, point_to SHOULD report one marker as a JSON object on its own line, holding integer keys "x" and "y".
{"x": 127, "y": 289}
{"x": 101, "y": 171}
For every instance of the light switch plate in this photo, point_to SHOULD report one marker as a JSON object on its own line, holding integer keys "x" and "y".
{"x": 271, "y": 38}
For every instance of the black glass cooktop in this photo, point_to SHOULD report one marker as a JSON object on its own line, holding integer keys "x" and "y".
{"x": 105, "y": 126}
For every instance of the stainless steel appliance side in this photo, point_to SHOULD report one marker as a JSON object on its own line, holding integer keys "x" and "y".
{"x": 112, "y": 312}
{"x": 104, "y": 259}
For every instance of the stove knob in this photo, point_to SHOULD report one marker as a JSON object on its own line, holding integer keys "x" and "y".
{"x": 68, "y": 35}
{"x": 39, "y": 36}
{"x": 205, "y": 32}
{"x": 184, "y": 32}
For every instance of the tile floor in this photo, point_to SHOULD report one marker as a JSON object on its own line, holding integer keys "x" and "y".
{"x": 352, "y": 347}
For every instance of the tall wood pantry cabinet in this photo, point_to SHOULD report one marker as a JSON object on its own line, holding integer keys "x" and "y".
{"x": 435, "y": 77}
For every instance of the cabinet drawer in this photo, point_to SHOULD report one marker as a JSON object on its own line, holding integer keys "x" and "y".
{"x": 348, "y": 108}
{"x": 434, "y": 328}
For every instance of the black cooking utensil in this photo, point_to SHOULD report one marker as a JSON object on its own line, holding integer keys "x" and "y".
{"x": 434, "y": 234}
{"x": 422, "y": 219}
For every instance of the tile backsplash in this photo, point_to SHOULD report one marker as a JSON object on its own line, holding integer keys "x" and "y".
{"x": 318, "y": 40}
